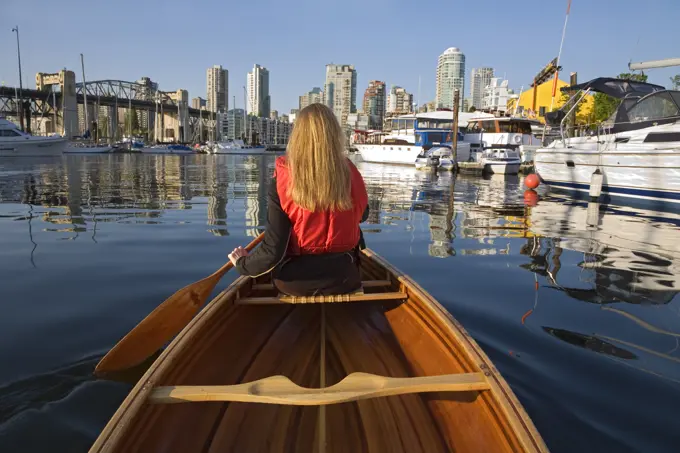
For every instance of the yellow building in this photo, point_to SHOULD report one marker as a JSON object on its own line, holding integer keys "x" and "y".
{"x": 543, "y": 99}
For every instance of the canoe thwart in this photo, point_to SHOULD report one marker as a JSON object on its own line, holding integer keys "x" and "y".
{"x": 359, "y": 297}
{"x": 364, "y": 284}
{"x": 356, "y": 386}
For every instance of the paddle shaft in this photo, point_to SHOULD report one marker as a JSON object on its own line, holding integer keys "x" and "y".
{"x": 163, "y": 323}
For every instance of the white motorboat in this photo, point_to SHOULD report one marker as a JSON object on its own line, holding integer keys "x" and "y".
{"x": 237, "y": 147}
{"x": 14, "y": 142}
{"x": 500, "y": 161}
{"x": 508, "y": 133}
{"x": 634, "y": 156}
{"x": 86, "y": 148}
{"x": 409, "y": 136}
{"x": 440, "y": 158}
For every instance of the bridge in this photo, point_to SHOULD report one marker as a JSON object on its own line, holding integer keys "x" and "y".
{"x": 57, "y": 105}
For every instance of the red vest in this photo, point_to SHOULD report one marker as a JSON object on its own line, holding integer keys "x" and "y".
{"x": 322, "y": 231}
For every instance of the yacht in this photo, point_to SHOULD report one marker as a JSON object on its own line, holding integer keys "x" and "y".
{"x": 408, "y": 137}
{"x": 237, "y": 147}
{"x": 14, "y": 142}
{"x": 634, "y": 156}
{"x": 168, "y": 149}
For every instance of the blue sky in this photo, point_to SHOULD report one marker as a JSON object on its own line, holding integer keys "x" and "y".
{"x": 173, "y": 41}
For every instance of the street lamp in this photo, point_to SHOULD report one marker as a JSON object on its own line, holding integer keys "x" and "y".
{"x": 21, "y": 88}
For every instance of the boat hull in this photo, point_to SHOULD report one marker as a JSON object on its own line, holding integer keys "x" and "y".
{"x": 88, "y": 149}
{"x": 501, "y": 168}
{"x": 34, "y": 146}
{"x": 402, "y": 154}
{"x": 230, "y": 342}
{"x": 631, "y": 174}
{"x": 253, "y": 150}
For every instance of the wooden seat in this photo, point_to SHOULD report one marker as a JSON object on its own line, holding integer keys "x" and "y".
{"x": 355, "y": 297}
{"x": 364, "y": 284}
{"x": 356, "y": 386}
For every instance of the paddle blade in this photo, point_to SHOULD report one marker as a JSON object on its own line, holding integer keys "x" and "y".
{"x": 161, "y": 325}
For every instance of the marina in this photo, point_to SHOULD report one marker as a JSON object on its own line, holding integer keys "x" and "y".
{"x": 439, "y": 243}
{"x": 568, "y": 293}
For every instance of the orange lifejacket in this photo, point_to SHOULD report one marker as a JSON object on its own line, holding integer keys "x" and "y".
{"x": 323, "y": 231}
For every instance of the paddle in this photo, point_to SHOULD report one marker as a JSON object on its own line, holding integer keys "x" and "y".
{"x": 163, "y": 323}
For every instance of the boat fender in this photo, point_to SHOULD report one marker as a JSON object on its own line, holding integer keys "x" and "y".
{"x": 518, "y": 139}
{"x": 596, "y": 180}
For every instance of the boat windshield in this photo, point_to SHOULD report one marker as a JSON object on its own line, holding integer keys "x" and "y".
{"x": 658, "y": 106}
{"x": 429, "y": 123}
{"x": 9, "y": 133}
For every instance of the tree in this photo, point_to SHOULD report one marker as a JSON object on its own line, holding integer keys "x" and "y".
{"x": 472, "y": 109}
{"x": 131, "y": 122}
{"x": 675, "y": 82}
{"x": 605, "y": 105}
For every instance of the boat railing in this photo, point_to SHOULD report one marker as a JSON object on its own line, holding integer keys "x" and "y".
{"x": 583, "y": 94}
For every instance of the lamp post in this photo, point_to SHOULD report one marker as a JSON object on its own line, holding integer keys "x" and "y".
{"x": 21, "y": 87}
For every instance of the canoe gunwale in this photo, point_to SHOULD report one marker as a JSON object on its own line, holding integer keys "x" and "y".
{"x": 514, "y": 412}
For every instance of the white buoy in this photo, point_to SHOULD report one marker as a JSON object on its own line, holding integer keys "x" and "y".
{"x": 596, "y": 180}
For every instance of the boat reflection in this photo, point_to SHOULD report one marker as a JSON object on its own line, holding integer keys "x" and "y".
{"x": 628, "y": 255}
{"x": 590, "y": 342}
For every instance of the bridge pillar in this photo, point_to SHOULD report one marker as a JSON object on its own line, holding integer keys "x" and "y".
{"x": 67, "y": 113}
{"x": 182, "y": 128}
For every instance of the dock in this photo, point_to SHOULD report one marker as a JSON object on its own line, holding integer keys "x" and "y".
{"x": 476, "y": 168}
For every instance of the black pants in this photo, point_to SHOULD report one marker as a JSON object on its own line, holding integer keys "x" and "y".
{"x": 327, "y": 274}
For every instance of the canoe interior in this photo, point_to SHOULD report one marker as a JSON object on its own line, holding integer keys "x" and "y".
{"x": 230, "y": 344}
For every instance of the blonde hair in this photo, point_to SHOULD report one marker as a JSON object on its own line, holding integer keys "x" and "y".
{"x": 319, "y": 170}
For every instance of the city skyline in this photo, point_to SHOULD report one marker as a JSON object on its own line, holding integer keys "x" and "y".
{"x": 300, "y": 64}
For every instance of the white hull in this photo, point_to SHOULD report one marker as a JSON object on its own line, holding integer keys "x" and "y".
{"x": 88, "y": 149}
{"x": 635, "y": 170}
{"x": 402, "y": 154}
{"x": 501, "y": 168}
{"x": 33, "y": 146}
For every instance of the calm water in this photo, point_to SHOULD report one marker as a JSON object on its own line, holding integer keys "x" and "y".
{"x": 580, "y": 314}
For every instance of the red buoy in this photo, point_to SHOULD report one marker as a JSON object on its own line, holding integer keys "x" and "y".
{"x": 532, "y": 181}
{"x": 530, "y": 197}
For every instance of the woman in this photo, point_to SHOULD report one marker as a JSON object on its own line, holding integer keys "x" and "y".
{"x": 317, "y": 199}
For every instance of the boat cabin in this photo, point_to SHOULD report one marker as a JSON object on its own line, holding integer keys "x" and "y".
{"x": 641, "y": 105}
{"x": 501, "y": 132}
{"x": 425, "y": 129}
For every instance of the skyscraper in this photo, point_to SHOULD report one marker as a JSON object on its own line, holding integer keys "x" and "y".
{"x": 479, "y": 80}
{"x": 340, "y": 91}
{"x": 218, "y": 89}
{"x": 374, "y": 104}
{"x": 399, "y": 101}
{"x": 313, "y": 97}
{"x": 259, "y": 101}
{"x": 450, "y": 76}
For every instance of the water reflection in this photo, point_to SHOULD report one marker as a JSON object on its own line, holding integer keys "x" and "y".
{"x": 600, "y": 291}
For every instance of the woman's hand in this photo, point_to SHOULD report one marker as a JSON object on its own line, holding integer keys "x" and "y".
{"x": 237, "y": 253}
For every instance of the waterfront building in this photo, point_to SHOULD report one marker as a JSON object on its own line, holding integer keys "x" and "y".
{"x": 235, "y": 122}
{"x": 450, "y": 76}
{"x": 313, "y": 97}
{"x": 199, "y": 103}
{"x": 399, "y": 102}
{"x": 543, "y": 100}
{"x": 359, "y": 121}
{"x": 259, "y": 101}
{"x": 496, "y": 96}
{"x": 480, "y": 78}
{"x": 274, "y": 115}
{"x": 218, "y": 89}
{"x": 340, "y": 90}
{"x": 374, "y": 104}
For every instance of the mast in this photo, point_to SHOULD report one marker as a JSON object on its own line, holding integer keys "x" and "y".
{"x": 559, "y": 55}
{"x": 87, "y": 123}
{"x": 668, "y": 62}
{"x": 20, "y": 110}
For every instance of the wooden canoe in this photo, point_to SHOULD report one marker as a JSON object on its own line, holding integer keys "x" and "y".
{"x": 384, "y": 370}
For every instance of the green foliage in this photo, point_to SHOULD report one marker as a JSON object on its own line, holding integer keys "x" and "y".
{"x": 675, "y": 82}
{"x": 131, "y": 122}
{"x": 472, "y": 109}
{"x": 605, "y": 105}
